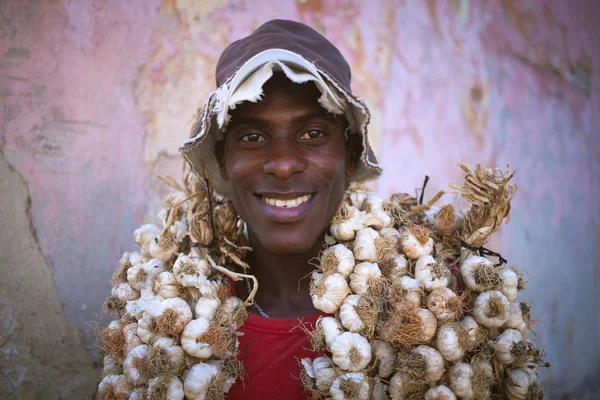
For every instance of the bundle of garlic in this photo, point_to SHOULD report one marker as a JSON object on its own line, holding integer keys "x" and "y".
{"x": 417, "y": 311}
{"x": 176, "y": 333}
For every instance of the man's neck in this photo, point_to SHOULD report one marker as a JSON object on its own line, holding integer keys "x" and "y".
{"x": 284, "y": 280}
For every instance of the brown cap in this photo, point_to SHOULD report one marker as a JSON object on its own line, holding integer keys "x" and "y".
{"x": 301, "y": 47}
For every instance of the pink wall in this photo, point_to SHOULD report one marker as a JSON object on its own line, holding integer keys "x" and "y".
{"x": 98, "y": 95}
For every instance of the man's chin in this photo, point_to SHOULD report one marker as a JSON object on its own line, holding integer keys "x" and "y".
{"x": 288, "y": 246}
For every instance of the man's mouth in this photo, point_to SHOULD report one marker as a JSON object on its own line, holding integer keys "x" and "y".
{"x": 286, "y": 203}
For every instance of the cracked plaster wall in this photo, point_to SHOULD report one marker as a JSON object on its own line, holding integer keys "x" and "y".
{"x": 96, "y": 97}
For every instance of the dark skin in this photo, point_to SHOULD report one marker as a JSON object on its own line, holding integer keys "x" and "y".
{"x": 285, "y": 147}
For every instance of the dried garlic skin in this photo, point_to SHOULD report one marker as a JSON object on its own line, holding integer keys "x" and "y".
{"x": 351, "y": 351}
{"x": 503, "y": 345}
{"x": 190, "y": 339}
{"x": 448, "y": 342}
{"x": 198, "y": 379}
{"x": 460, "y": 375}
{"x": 440, "y": 393}
{"x": 359, "y": 391}
{"x": 491, "y": 309}
{"x": 328, "y": 292}
{"x": 426, "y": 274}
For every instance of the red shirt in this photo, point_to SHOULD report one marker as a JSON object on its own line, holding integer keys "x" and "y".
{"x": 271, "y": 350}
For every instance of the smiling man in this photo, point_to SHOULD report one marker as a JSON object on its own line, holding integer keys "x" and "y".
{"x": 281, "y": 137}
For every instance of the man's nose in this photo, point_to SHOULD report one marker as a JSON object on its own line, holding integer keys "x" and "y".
{"x": 284, "y": 160}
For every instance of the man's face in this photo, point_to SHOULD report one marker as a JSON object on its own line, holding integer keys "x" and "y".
{"x": 285, "y": 159}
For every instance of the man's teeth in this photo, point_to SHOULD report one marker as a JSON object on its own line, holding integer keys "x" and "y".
{"x": 287, "y": 203}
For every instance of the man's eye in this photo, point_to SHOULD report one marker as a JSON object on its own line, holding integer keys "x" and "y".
{"x": 252, "y": 137}
{"x": 312, "y": 134}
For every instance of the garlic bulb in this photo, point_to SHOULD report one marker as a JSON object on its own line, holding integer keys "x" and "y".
{"x": 131, "y": 338}
{"x": 326, "y": 330}
{"x": 350, "y": 319}
{"x": 166, "y": 357}
{"x": 479, "y": 274}
{"x": 516, "y": 320}
{"x": 346, "y": 222}
{"x": 373, "y": 206}
{"x": 430, "y": 273}
{"x": 114, "y": 387}
{"x": 147, "y": 330}
{"x": 191, "y": 339}
{"x": 140, "y": 275}
{"x": 190, "y": 271}
{"x": 460, "y": 375}
{"x": 447, "y": 219}
{"x": 510, "y": 281}
{"x": 406, "y": 327}
{"x": 134, "y": 366}
{"x": 433, "y": 360}
{"x": 139, "y": 393}
{"x": 380, "y": 390}
{"x": 367, "y": 278}
{"x": 324, "y": 373}
{"x": 350, "y": 386}
{"x": 337, "y": 259}
{"x": 351, "y": 351}
{"x": 491, "y": 309}
{"x": 328, "y": 292}
{"x": 394, "y": 267}
{"x": 170, "y": 388}
{"x": 124, "y": 292}
{"x": 384, "y": 354}
{"x": 144, "y": 236}
{"x": 444, "y": 304}
{"x": 135, "y": 308}
{"x": 111, "y": 367}
{"x": 439, "y": 393}
{"x": 232, "y": 312}
{"x": 172, "y": 315}
{"x": 450, "y": 342}
{"x": 165, "y": 286}
{"x": 415, "y": 241}
{"x": 198, "y": 380}
{"x": 503, "y": 345}
{"x": 357, "y": 197}
{"x": 393, "y": 236}
{"x": 163, "y": 246}
{"x": 364, "y": 245}
{"x": 473, "y": 333}
{"x": 179, "y": 229}
{"x": 406, "y": 292}
{"x": 206, "y": 307}
{"x": 520, "y": 382}
{"x": 402, "y": 386}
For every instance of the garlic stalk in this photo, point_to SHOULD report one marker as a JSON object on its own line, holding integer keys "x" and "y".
{"x": 346, "y": 222}
{"x": 430, "y": 273}
{"x": 439, "y": 393}
{"x": 450, "y": 342}
{"x": 135, "y": 365}
{"x": 479, "y": 274}
{"x": 415, "y": 241}
{"x": 198, "y": 380}
{"x": 364, "y": 245}
{"x": 170, "y": 388}
{"x": 367, "y": 278}
{"x": 384, "y": 354}
{"x": 337, "y": 259}
{"x": 350, "y": 386}
{"x": 444, "y": 304}
{"x": 114, "y": 387}
{"x": 328, "y": 292}
{"x": 351, "y": 351}
{"x": 491, "y": 309}
{"x": 503, "y": 345}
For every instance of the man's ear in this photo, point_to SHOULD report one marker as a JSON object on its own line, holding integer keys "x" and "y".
{"x": 353, "y": 152}
{"x": 220, "y": 153}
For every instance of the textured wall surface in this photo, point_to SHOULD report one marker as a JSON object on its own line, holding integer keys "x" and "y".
{"x": 97, "y": 96}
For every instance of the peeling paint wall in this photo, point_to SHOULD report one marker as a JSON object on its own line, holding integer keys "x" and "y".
{"x": 96, "y": 97}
